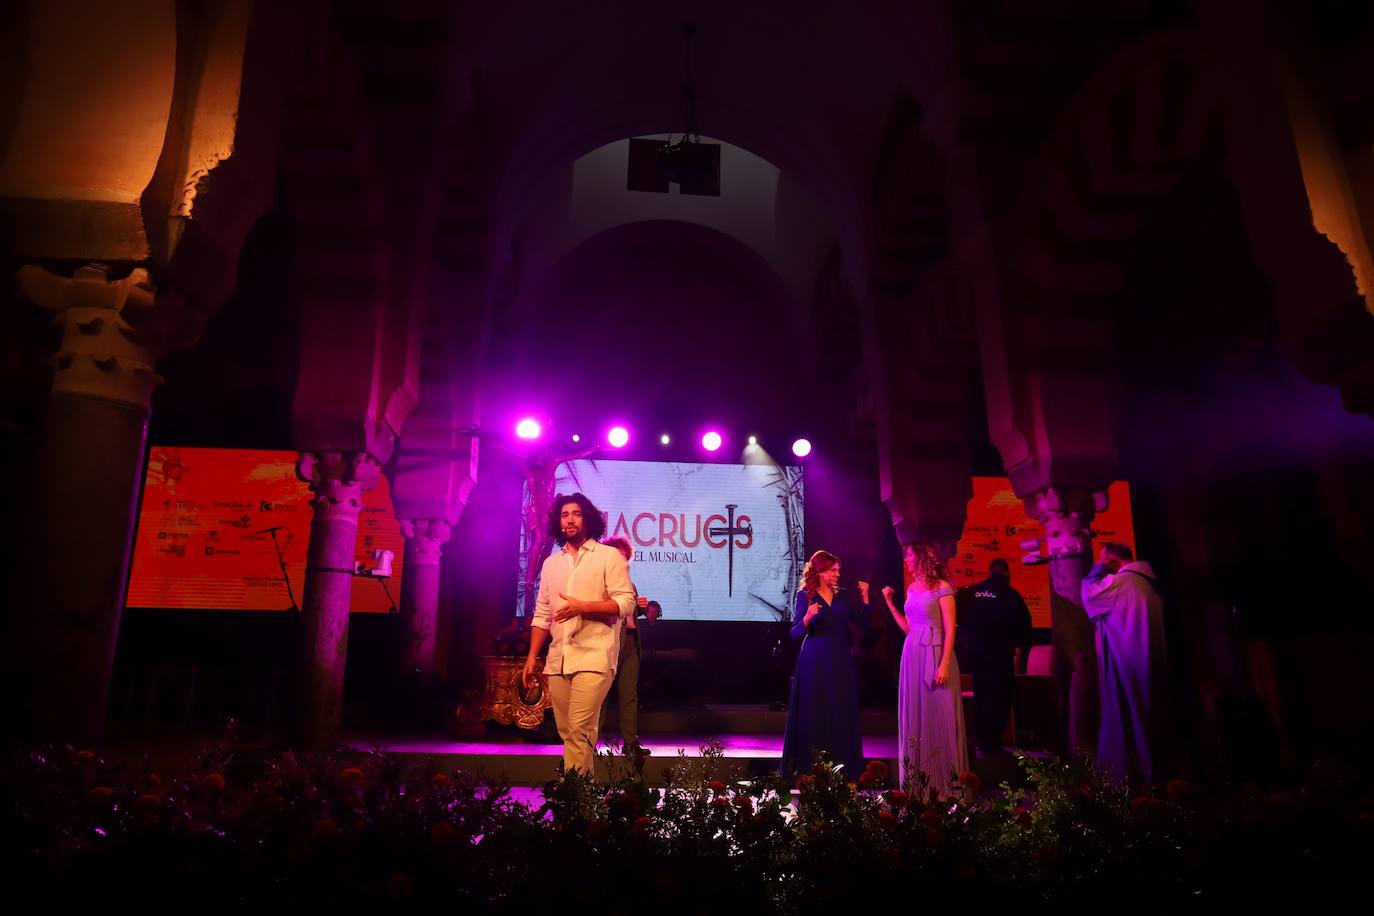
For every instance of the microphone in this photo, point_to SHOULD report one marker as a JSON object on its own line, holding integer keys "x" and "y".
{"x": 270, "y": 530}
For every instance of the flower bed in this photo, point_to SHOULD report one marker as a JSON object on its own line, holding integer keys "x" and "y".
{"x": 352, "y": 832}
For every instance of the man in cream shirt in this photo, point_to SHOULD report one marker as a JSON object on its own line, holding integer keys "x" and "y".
{"x": 584, "y": 590}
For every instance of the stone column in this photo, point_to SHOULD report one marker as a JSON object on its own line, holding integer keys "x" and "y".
{"x": 338, "y": 480}
{"x": 69, "y": 588}
{"x": 1067, "y": 516}
{"x": 425, "y": 539}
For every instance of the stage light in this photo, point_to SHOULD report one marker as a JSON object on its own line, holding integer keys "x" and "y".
{"x": 618, "y": 436}
{"x": 753, "y": 440}
{"x": 711, "y": 441}
{"x": 664, "y": 439}
{"x": 801, "y": 448}
{"x": 528, "y": 428}
{"x": 576, "y": 437}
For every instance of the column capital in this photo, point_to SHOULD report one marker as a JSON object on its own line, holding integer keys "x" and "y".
{"x": 1067, "y": 515}
{"x": 338, "y": 480}
{"x": 102, "y": 353}
{"x": 113, "y": 331}
{"x": 427, "y": 537}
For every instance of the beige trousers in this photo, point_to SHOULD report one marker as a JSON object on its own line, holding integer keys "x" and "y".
{"x": 577, "y": 700}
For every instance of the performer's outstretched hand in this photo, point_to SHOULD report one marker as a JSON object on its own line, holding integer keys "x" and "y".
{"x": 527, "y": 676}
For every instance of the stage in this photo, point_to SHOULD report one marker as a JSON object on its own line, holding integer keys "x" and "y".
{"x": 750, "y": 737}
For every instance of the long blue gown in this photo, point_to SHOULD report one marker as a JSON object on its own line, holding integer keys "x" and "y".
{"x": 823, "y": 714}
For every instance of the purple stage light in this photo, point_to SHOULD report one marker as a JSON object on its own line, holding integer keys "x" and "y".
{"x": 711, "y": 441}
{"x": 618, "y": 436}
{"x": 801, "y": 448}
{"x": 528, "y": 428}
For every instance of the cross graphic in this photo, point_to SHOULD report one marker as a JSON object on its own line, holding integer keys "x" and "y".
{"x": 729, "y": 532}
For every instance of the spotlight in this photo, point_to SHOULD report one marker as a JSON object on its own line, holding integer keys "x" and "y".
{"x": 711, "y": 441}
{"x": 528, "y": 428}
{"x": 753, "y": 440}
{"x": 618, "y": 436}
{"x": 576, "y": 437}
{"x": 801, "y": 448}
{"x": 664, "y": 439}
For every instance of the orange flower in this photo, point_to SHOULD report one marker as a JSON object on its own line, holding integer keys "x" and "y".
{"x": 83, "y": 756}
{"x": 805, "y": 781}
{"x": 970, "y": 780}
{"x": 440, "y": 779}
{"x": 887, "y": 821}
{"x": 350, "y": 774}
{"x": 213, "y": 781}
{"x": 717, "y": 786}
{"x": 897, "y": 798}
{"x": 931, "y": 818}
{"x": 744, "y": 801}
{"x": 101, "y": 793}
{"x": 640, "y": 827}
{"x": 877, "y": 768}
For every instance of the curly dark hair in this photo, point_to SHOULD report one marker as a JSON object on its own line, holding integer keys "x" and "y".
{"x": 591, "y": 517}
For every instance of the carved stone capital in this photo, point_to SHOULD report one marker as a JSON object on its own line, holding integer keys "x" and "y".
{"x": 1067, "y": 515}
{"x": 103, "y": 354}
{"x": 338, "y": 480}
{"x": 427, "y": 537}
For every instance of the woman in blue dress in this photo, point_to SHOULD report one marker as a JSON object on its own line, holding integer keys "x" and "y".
{"x": 823, "y": 714}
{"x": 930, "y": 706}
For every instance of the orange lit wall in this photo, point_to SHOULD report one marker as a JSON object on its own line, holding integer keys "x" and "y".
{"x": 199, "y": 544}
{"x": 997, "y": 524}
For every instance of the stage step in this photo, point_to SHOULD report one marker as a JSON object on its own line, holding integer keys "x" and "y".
{"x": 737, "y": 719}
{"x": 524, "y": 763}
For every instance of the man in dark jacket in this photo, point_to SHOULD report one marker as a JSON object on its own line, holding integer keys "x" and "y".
{"x": 994, "y": 623}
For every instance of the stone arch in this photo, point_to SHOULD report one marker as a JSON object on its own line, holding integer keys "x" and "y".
{"x": 1151, "y": 117}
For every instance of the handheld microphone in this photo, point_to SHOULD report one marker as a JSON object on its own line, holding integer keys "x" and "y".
{"x": 270, "y": 530}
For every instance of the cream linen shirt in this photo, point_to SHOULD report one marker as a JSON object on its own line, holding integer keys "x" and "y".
{"x": 594, "y": 573}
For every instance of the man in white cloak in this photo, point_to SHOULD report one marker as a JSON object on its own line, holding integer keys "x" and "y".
{"x": 1121, "y": 597}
